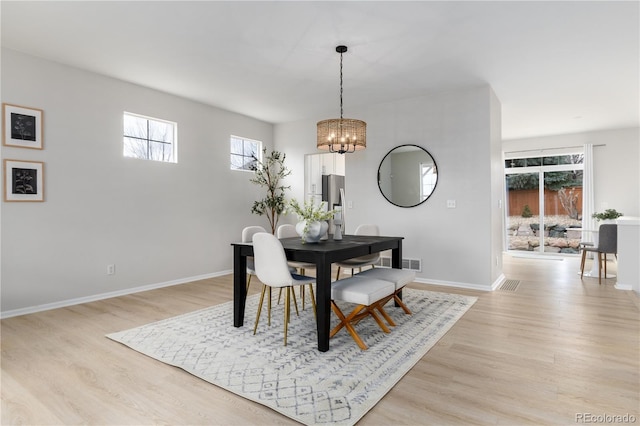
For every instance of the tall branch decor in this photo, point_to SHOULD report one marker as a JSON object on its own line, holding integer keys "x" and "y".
{"x": 269, "y": 174}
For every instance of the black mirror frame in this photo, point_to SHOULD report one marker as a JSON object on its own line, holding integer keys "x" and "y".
{"x": 380, "y": 166}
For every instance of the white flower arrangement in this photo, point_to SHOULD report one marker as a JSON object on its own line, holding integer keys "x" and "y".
{"x": 309, "y": 213}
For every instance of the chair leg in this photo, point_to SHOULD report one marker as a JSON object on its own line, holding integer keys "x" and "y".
{"x": 248, "y": 282}
{"x": 584, "y": 257}
{"x": 338, "y": 274}
{"x": 287, "y": 307}
{"x": 605, "y": 265}
{"x": 599, "y": 268}
{"x": 269, "y": 304}
{"x": 601, "y": 263}
{"x": 302, "y": 289}
{"x": 255, "y": 327}
{"x": 295, "y": 301}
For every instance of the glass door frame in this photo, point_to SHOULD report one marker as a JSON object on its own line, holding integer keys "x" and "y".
{"x": 540, "y": 170}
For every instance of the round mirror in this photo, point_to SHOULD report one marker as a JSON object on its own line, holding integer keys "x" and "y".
{"x": 407, "y": 175}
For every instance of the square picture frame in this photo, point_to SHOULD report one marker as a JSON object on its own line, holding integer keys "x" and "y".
{"x": 21, "y": 126}
{"x": 23, "y": 180}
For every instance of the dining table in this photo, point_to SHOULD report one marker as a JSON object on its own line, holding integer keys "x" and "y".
{"x": 322, "y": 254}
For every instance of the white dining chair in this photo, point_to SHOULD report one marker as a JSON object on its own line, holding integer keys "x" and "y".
{"x": 247, "y": 237}
{"x": 289, "y": 231}
{"x": 273, "y": 270}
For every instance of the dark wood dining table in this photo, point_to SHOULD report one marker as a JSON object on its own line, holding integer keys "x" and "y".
{"x": 323, "y": 254}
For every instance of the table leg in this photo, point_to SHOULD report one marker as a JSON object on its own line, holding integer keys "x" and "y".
{"x": 323, "y": 303}
{"x": 396, "y": 262}
{"x": 239, "y": 286}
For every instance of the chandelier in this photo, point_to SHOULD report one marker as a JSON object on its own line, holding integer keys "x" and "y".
{"x": 342, "y": 135}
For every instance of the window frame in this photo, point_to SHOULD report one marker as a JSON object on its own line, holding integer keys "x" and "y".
{"x": 148, "y": 141}
{"x": 257, "y": 153}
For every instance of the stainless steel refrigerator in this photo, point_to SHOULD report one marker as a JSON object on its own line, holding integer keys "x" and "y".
{"x": 332, "y": 186}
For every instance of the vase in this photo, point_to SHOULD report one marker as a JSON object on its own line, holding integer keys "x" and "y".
{"x": 315, "y": 230}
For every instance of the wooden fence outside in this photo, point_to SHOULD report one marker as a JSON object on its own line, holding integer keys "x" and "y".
{"x": 552, "y": 205}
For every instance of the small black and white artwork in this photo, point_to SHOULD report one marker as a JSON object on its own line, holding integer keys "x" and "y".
{"x": 22, "y": 126}
{"x": 23, "y": 180}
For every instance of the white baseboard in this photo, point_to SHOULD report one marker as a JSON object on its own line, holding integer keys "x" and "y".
{"x": 468, "y": 286}
{"x": 620, "y": 286}
{"x": 102, "y": 296}
{"x": 498, "y": 282}
{"x": 124, "y": 292}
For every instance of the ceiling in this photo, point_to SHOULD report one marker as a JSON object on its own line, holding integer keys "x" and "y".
{"x": 556, "y": 67}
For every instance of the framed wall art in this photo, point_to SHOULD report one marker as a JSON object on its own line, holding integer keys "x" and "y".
{"x": 21, "y": 126}
{"x": 23, "y": 180}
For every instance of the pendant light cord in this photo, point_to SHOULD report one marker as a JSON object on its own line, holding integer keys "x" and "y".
{"x": 341, "y": 110}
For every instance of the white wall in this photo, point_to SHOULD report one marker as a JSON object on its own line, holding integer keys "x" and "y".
{"x": 616, "y": 164}
{"x": 158, "y": 223}
{"x": 497, "y": 187}
{"x": 457, "y": 246}
{"x": 168, "y": 223}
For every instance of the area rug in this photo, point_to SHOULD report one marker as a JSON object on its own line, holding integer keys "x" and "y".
{"x": 338, "y": 386}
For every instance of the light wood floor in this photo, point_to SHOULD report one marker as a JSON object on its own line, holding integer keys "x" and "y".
{"x": 553, "y": 349}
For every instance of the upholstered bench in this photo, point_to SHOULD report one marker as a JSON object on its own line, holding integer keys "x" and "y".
{"x": 399, "y": 277}
{"x": 366, "y": 293}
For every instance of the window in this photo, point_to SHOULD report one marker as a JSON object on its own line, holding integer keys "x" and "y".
{"x": 545, "y": 161}
{"x": 428, "y": 179}
{"x": 149, "y": 138}
{"x": 244, "y": 153}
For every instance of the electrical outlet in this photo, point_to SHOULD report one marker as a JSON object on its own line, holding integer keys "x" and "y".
{"x": 111, "y": 269}
{"x": 451, "y": 204}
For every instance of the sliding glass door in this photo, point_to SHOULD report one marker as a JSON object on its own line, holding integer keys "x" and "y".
{"x": 544, "y": 203}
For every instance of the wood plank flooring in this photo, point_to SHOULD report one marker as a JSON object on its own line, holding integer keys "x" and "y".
{"x": 554, "y": 349}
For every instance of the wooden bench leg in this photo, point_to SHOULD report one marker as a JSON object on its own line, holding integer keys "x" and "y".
{"x": 386, "y": 316}
{"x": 356, "y": 315}
{"x": 344, "y": 321}
{"x": 400, "y": 303}
{"x": 382, "y": 325}
{"x": 356, "y": 337}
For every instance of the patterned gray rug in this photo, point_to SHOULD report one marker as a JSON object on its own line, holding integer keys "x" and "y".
{"x": 312, "y": 387}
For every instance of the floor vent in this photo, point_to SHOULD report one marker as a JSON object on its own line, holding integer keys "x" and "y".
{"x": 410, "y": 264}
{"x": 510, "y": 285}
